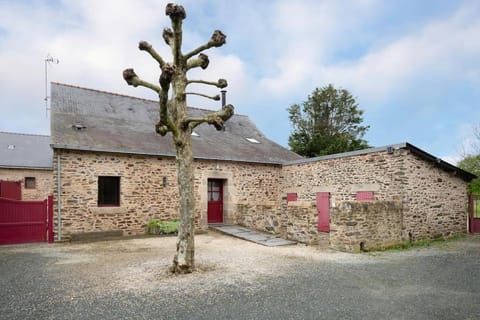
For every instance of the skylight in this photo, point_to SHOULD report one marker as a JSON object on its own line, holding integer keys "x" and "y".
{"x": 252, "y": 140}
{"x": 11, "y": 147}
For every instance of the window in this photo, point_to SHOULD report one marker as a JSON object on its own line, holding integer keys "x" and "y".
{"x": 29, "y": 182}
{"x": 476, "y": 208}
{"x": 365, "y": 196}
{"x": 109, "y": 191}
{"x": 291, "y": 197}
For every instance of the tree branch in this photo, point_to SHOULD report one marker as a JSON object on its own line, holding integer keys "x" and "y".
{"x": 165, "y": 124}
{"x": 201, "y": 61}
{"x": 133, "y": 80}
{"x": 217, "y": 119}
{"x": 218, "y": 39}
{"x": 215, "y": 98}
{"x": 145, "y": 46}
{"x": 168, "y": 36}
{"x": 221, "y": 83}
{"x": 176, "y": 13}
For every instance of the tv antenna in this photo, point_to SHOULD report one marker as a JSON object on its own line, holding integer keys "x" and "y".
{"x": 48, "y": 61}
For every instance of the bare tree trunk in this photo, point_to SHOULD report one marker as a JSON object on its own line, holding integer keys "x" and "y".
{"x": 183, "y": 261}
{"x": 174, "y": 118}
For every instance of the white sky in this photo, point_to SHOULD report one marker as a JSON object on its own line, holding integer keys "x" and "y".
{"x": 413, "y": 66}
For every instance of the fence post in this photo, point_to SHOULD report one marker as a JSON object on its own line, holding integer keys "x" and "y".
{"x": 50, "y": 218}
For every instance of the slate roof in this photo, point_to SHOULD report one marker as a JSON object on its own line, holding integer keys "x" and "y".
{"x": 465, "y": 175}
{"x": 18, "y": 150}
{"x": 86, "y": 119}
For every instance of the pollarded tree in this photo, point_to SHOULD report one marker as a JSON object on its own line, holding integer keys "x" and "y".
{"x": 328, "y": 122}
{"x": 174, "y": 118}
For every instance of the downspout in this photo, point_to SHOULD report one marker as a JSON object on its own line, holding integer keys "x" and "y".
{"x": 59, "y": 198}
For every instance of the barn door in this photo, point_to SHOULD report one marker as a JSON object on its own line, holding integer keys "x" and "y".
{"x": 323, "y": 210}
{"x": 215, "y": 201}
{"x": 11, "y": 190}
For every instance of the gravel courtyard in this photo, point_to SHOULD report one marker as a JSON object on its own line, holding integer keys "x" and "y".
{"x": 127, "y": 279}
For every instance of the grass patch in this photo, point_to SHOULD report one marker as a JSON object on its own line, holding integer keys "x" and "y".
{"x": 420, "y": 243}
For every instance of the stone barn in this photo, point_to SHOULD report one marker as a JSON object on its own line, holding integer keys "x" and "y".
{"x": 375, "y": 198}
{"x": 112, "y": 172}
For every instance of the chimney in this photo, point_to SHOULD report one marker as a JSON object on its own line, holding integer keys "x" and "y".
{"x": 224, "y": 97}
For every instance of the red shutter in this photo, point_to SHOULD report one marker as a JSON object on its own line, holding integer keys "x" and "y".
{"x": 11, "y": 190}
{"x": 291, "y": 197}
{"x": 323, "y": 210}
{"x": 365, "y": 196}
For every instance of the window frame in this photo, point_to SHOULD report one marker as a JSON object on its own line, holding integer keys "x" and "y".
{"x": 113, "y": 198}
{"x": 30, "y": 179}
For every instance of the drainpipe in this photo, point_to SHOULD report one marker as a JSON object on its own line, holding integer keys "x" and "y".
{"x": 59, "y": 198}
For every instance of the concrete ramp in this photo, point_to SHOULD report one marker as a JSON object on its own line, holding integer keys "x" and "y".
{"x": 251, "y": 235}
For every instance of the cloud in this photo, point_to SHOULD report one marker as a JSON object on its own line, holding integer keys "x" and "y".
{"x": 438, "y": 54}
{"x": 308, "y": 34}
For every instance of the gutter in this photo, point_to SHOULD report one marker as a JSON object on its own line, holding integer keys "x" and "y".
{"x": 160, "y": 154}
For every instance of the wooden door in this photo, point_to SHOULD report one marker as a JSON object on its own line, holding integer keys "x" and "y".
{"x": 215, "y": 201}
{"x": 26, "y": 221}
{"x": 11, "y": 190}
{"x": 323, "y": 210}
{"x": 474, "y": 209}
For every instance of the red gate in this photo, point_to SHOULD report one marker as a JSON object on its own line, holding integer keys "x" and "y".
{"x": 26, "y": 221}
{"x": 474, "y": 208}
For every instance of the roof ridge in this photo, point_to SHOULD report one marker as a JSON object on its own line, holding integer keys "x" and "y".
{"x": 127, "y": 96}
{"x": 27, "y": 134}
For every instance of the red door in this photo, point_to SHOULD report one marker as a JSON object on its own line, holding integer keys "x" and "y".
{"x": 11, "y": 190}
{"x": 474, "y": 224}
{"x": 323, "y": 209}
{"x": 215, "y": 201}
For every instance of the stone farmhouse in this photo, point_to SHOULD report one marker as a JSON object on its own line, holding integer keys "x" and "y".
{"x": 112, "y": 172}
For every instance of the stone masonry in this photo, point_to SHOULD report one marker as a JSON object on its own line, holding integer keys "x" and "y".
{"x": 143, "y": 196}
{"x": 43, "y": 181}
{"x": 367, "y": 225}
{"x": 413, "y": 198}
{"x": 433, "y": 201}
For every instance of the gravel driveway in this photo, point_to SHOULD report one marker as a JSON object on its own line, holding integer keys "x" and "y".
{"x": 127, "y": 279}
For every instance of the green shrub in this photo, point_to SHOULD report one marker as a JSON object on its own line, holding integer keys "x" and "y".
{"x": 162, "y": 227}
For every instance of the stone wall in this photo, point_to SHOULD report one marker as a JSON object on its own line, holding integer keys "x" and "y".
{"x": 368, "y": 225}
{"x": 302, "y": 221}
{"x": 43, "y": 182}
{"x": 266, "y": 217}
{"x": 434, "y": 201}
{"x": 143, "y": 196}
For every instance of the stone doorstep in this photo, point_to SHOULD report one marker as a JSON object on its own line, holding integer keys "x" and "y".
{"x": 251, "y": 235}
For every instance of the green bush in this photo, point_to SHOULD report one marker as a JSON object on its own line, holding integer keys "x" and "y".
{"x": 162, "y": 227}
